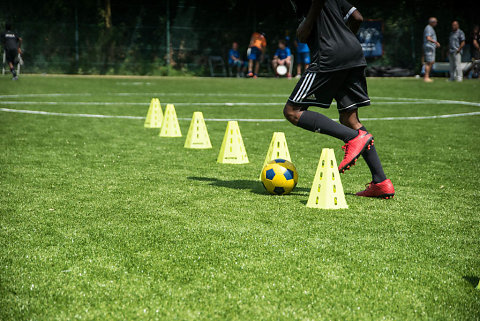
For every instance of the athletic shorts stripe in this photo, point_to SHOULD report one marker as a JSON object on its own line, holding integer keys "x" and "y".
{"x": 308, "y": 80}
{"x": 305, "y": 80}
{"x": 348, "y": 87}
{"x": 305, "y": 93}
{"x": 356, "y": 104}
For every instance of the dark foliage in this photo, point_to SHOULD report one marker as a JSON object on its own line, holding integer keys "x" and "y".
{"x": 136, "y": 42}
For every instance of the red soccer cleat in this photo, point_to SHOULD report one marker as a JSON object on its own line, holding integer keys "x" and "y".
{"x": 381, "y": 190}
{"x": 354, "y": 148}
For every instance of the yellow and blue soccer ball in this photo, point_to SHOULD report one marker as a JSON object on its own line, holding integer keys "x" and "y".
{"x": 279, "y": 177}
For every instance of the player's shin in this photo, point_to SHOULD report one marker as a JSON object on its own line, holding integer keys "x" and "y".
{"x": 373, "y": 162}
{"x": 319, "y": 123}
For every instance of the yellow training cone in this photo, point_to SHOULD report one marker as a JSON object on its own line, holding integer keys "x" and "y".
{"x": 327, "y": 190}
{"x": 170, "y": 126}
{"x": 232, "y": 150}
{"x": 155, "y": 115}
{"x": 278, "y": 149}
{"x": 197, "y": 136}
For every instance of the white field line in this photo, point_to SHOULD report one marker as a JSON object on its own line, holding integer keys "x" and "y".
{"x": 38, "y": 112}
{"x": 160, "y": 94}
{"x": 44, "y": 95}
{"x": 151, "y": 94}
{"x": 99, "y": 103}
{"x": 426, "y": 101}
{"x": 399, "y": 100}
{"x": 80, "y": 103}
{"x": 475, "y": 113}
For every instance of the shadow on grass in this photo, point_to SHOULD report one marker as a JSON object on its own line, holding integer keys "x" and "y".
{"x": 254, "y": 186}
{"x": 473, "y": 280}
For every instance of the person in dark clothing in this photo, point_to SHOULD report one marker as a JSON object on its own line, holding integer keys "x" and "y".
{"x": 12, "y": 44}
{"x": 337, "y": 71}
{"x": 476, "y": 42}
{"x": 475, "y": 52}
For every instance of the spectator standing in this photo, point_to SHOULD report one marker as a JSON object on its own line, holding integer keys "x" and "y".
{"x": 234, "y": 59}
{"x": 456, "y": 43}
{"x": 255, "y": 52}
{"x": 303, "y": 57}
{"x": 430, "y": 43}
{"x": 12, "y": 44}
{"x": 476, "y": 42}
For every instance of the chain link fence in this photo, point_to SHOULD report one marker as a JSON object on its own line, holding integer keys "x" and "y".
{"x": 180, "y": 39}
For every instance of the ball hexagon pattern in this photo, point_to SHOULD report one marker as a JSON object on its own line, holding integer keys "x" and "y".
{"x": 279, "y": 180}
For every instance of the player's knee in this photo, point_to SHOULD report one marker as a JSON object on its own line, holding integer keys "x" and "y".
{"x": 291, "y": 114}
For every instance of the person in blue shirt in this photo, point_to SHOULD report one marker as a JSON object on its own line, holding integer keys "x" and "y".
{"x": 283, "y": 56}
{"x": 303, "y": 57}
{"x": 235, "y": 61}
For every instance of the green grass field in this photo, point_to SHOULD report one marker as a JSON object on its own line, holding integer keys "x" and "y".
{"x": 102, "y": 219}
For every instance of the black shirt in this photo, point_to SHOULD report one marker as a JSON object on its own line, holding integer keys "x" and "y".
{"x": 10, "y": 40}
{"x": 334, "y": 45}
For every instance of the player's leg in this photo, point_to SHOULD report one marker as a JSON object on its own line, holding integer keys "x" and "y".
{"x": 274, "y": 66}
{"x": 10, "y": 55}
{"x": 316, "y": 122}
{"x": 322, "y": 85}
{"x": 239, "y": 67}
{"x": 257, "y": 68}
{"x": 274, "y": 63}
{"x": 250, "y": 68}
{"x": 429, "y": 56}
{"x": 428, "y": 67}
{"x": 299, "y": 66}
{"x": 350, "y": 119}
{"x": 355, "y": 141}
{"x": 451, "y": 58}
{"x": 12, "y": 69}
{"x": 351, "y": 96}
{"x": 458, "y": 64}
{"x": 318, "y": 89}
{"x": 251, "y": 60}
{"x": 476, "y": 68}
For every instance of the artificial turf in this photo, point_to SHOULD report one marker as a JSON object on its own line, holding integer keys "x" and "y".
{"x": 103, "y": 219}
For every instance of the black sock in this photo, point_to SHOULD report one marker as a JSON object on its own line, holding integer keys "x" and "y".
{"x": 14, "y": 73}
{"x": 373, "y": 162}
{"x": 319, "y": 123}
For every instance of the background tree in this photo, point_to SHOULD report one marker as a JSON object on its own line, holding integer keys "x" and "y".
{"x": 130, "y": 37}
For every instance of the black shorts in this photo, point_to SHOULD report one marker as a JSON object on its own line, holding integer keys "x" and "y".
{"x": 11, "y": 55}
{"x": 348, "y": 87}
